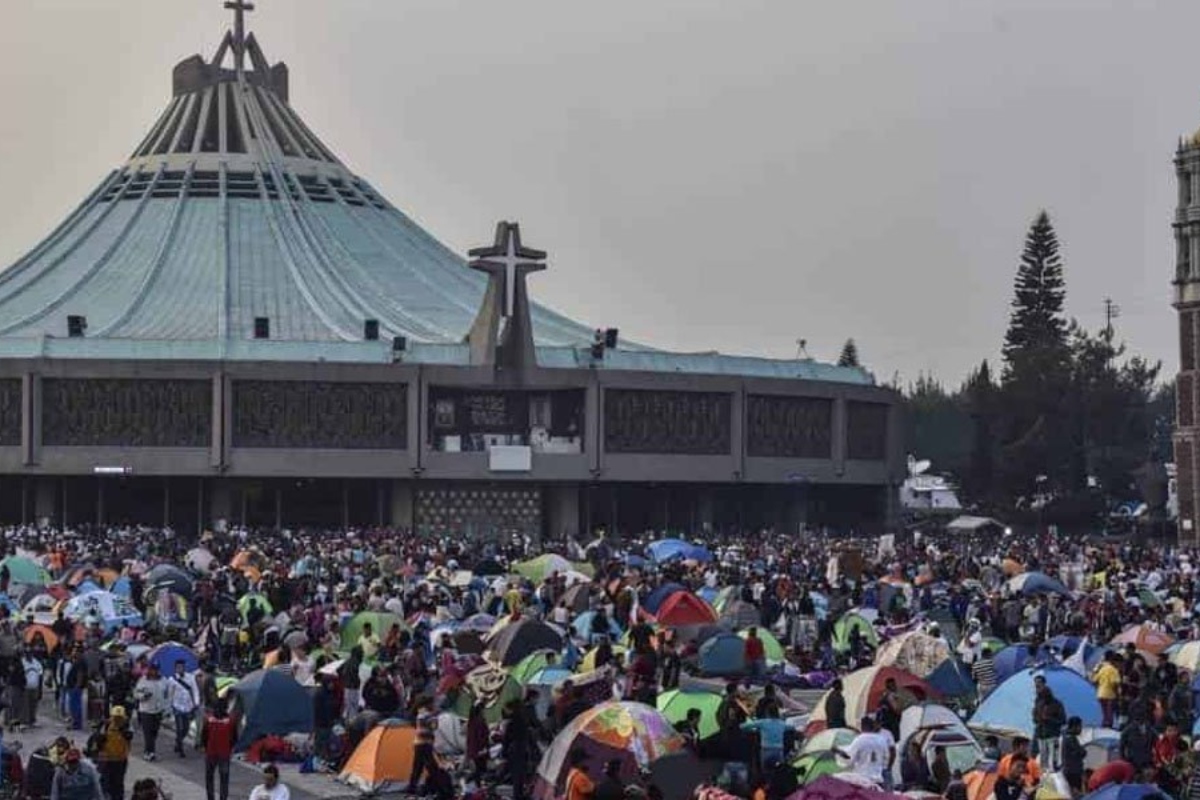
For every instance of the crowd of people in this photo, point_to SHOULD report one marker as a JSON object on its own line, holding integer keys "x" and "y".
{"x": 289, "y": 600}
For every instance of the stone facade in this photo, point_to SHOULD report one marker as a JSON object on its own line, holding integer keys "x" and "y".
{"x": 1187, "y": 305}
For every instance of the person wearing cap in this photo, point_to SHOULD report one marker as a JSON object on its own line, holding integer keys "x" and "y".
{"x": 111, "y": 750}
{"x": 270, "y": 788}
{"x": 75, "y": 780}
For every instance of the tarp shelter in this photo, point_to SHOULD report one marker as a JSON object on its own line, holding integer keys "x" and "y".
{"x": 967, "y": 524}
{"x": 915, "y": 652}
{"x": 1009, "y": 709}
{"x": 110, "y": 611}
{"x": 684, "y": 608}
{"x": 833, "y": 788}
{"x": 271, "y": 703}
{"x": 676, "y": 549}
{"x": 383, "y": 760}
{"x": 723, "y": 655}
{"x": 519, "y": 639}
{"x": 1034, "y": 583}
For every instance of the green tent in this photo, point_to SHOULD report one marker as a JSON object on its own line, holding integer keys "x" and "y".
{"x": 771, "y": 645}
{"x": 490, "y": 685}
{"x": 381, "y": 622}
{"x": 529, "y": 666}
{"x": 848, "y": 623}
{"x": 243, "y": 604}
{"x": 26, "y": 570}
{"x": 725, "y": 596}
{"x": 542, "y": 567}
{"x": 811, "y": 766}
{"x": 675, "y": 704}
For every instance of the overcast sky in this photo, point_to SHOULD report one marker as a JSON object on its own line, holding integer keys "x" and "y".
{"x": 706, "y": 174}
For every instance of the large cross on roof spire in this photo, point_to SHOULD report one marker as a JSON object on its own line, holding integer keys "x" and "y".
{"x": 239, "y": 9}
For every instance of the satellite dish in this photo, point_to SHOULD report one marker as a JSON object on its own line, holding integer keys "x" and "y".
{"x": 916, "y": 467}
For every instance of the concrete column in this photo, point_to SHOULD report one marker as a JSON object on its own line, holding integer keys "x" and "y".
{"x": 403, "y": 496}
{"x": 796, "y": 509}
{"x": 45, "y": 499}
{"x": 562, "y": 512}
{"x": 705, "y": 508}
{"x": 221, "y": 501}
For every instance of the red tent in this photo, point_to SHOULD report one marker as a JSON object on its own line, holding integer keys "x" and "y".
{"x": 684, "y": 608}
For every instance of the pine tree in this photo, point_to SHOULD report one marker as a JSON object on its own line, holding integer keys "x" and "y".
{"x": 980, "y": 396}
{"x": 1037, "y": 331}
{"x": 1035, "y": 416}
{"x": 849, "y": 356}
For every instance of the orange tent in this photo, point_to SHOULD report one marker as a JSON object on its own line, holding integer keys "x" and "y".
{"x": 383, "y": 761}
{"x": 48, "y": 635}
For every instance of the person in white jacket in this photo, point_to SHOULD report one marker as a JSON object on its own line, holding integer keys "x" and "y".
{"x": 185, "y": 699}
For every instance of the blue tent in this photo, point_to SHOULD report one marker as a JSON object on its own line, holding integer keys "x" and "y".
{"x": 708, "y": 594}
{"x": 952, "y": 678}
{"x": 666, "y": 549}
{"x": 165, "y": 655}
{"x": 670, "y": 549}
{"x": 1012, "y": 660}
{"x": 1066, "y": 646}
{"x": 1009, "y": 709}
{"x": 122, "y": 586}
{"x": 656, "y": 598}
{"x": 1128, "y": 791}
{"x": 583, "y": 625}
{"x": 724, "y": 655}
{"x": 271, "y": 702}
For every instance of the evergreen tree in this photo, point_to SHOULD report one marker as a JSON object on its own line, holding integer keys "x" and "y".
{"x": 980, "y": 397}
{"x": 849, "y": 356}
{"x": 1035, "y": 428}
{"x": 1037, "y": 330}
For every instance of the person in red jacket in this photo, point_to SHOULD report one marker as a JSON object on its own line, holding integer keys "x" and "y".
{"x": 756, "y": 654}
{"x": 218, "y": 737}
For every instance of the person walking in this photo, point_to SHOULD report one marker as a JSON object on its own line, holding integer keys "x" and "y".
{"x": 185, "y": 696}
{"x": 217, "y": 736}
{"x": 75, "y": 780}
{"x": 153, "y": 698}
{"x": 111, "y": 752}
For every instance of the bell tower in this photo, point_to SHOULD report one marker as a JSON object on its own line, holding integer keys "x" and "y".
{"x": 1187, "y": 305}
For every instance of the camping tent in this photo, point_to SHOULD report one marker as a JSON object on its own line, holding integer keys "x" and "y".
{"x": 676, "y": 703}
{"x": 723, "y": 655}
{"x": 915, "y": 652}
{"x": 863, "y": 689}
{"x": 851, "y": 622}
{"x": 383, "y": 760}
{"x": 634, "y": 734}
{"x": 1009, "y": 709}
{"x": 271, "y": 703}
{"x": 930, "y": 726}
{"x": 519, "y": 639}
{"x": 684, "y": 608}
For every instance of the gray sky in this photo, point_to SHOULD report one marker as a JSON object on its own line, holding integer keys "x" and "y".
{"x": 706, "y": 174}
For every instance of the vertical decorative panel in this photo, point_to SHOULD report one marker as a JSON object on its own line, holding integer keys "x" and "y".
{"x": 113, "y": 412}
{"x": 672, "y": 423}
{"x": 789, "y": 427}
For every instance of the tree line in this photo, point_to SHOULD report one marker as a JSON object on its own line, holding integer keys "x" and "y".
{"x": 1070, "y": 424}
